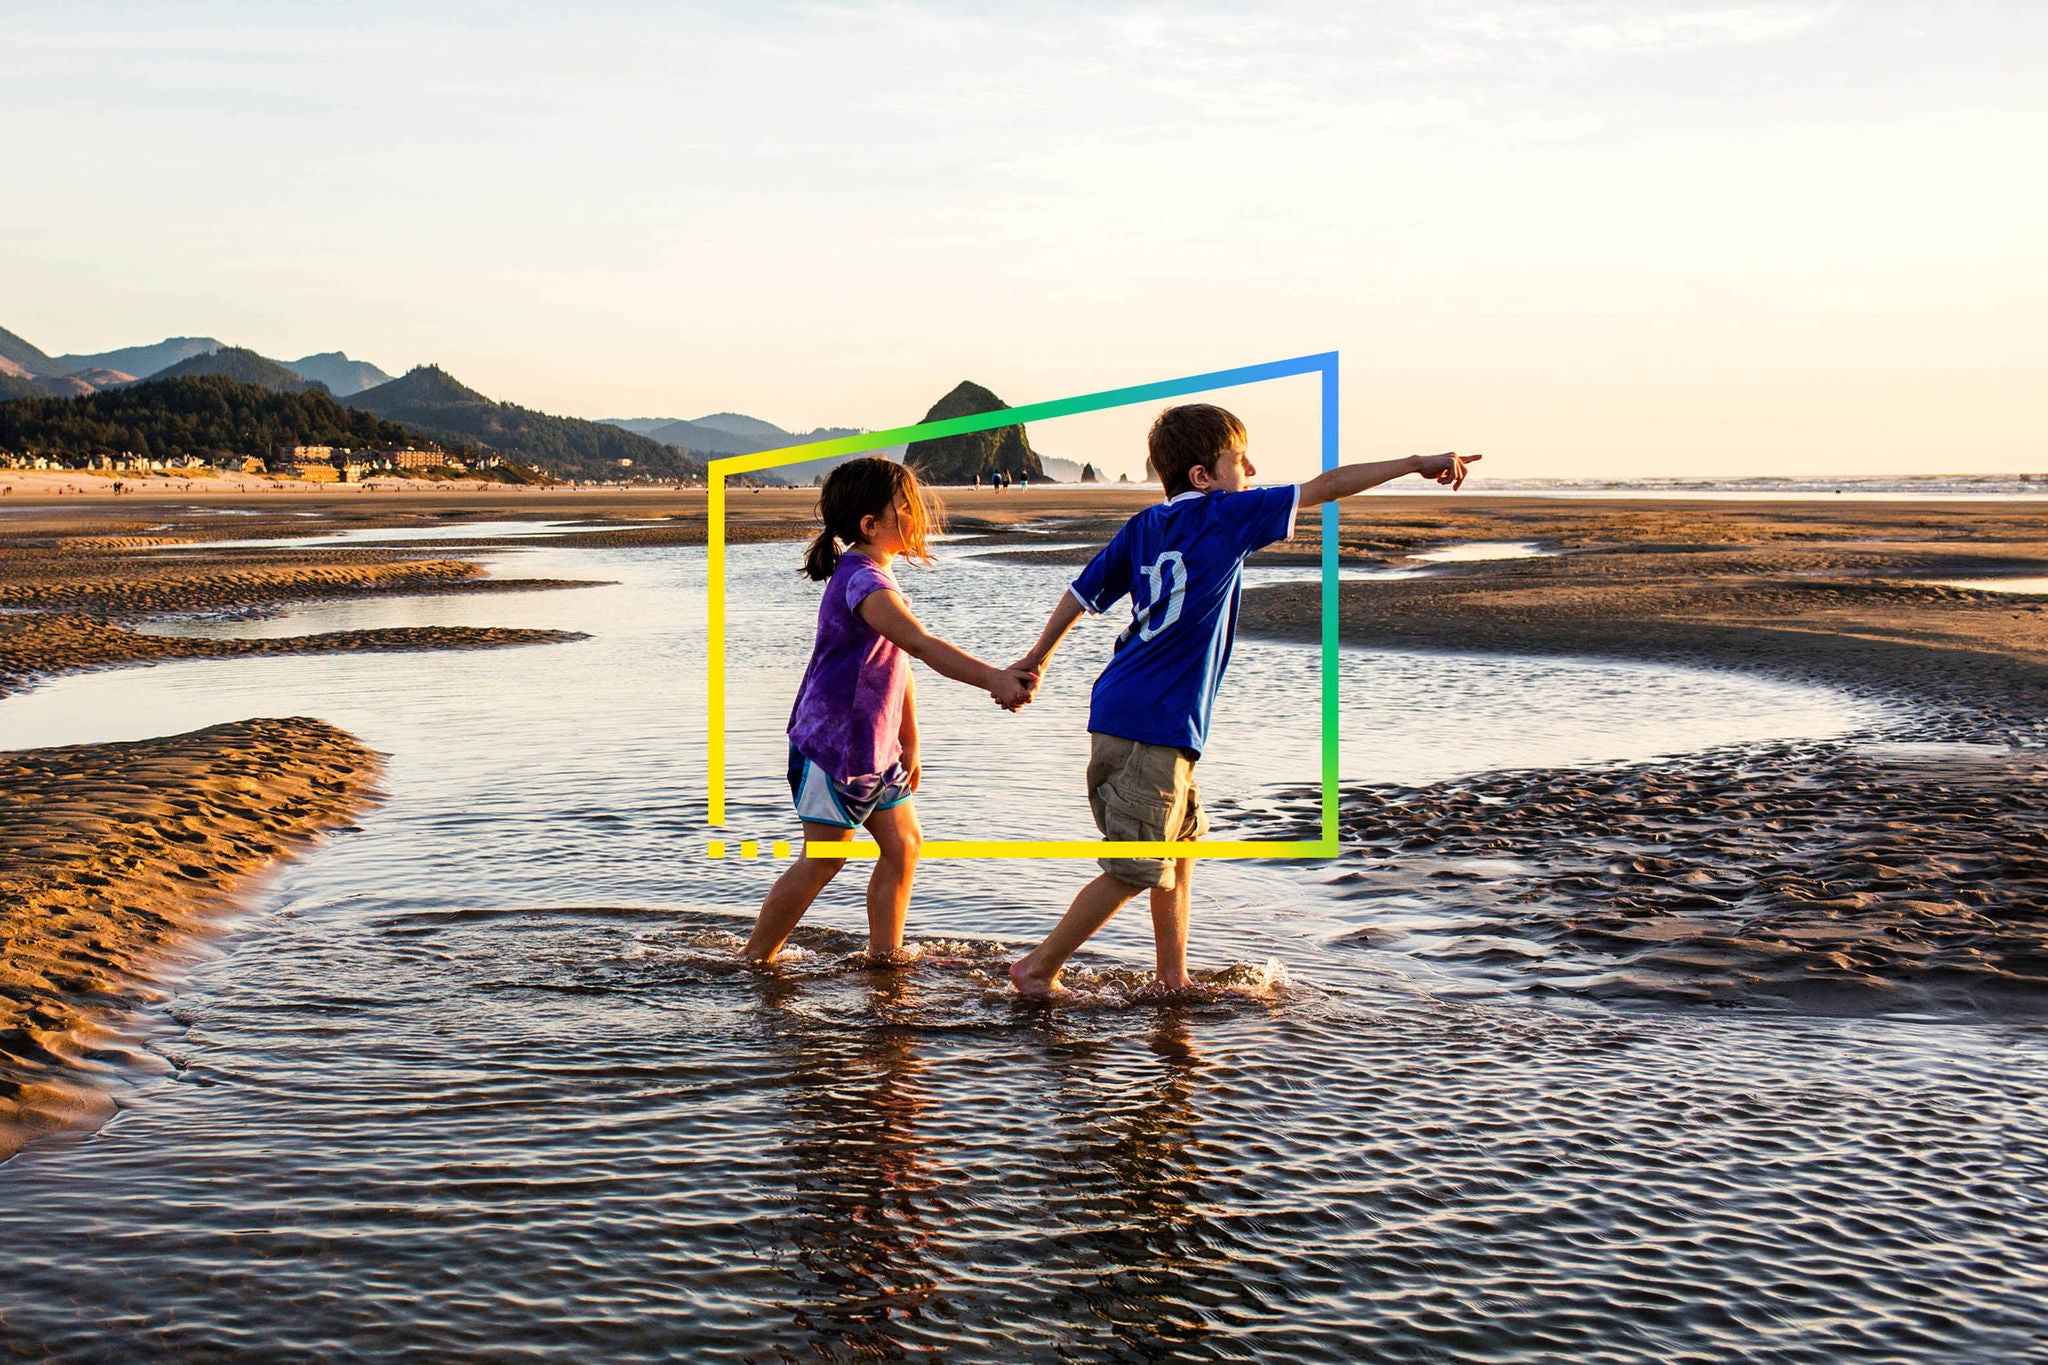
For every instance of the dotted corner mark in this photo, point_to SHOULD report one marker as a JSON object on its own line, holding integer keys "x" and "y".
{"x": 749, "y": 848}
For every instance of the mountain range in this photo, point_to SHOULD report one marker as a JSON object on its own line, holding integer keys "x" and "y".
{"x": 142, "y": 361}
{"x": 72, "y": 376}
{"x": 734, "y": 433}
{"x": 208, "y": 416}
{"x": 430, "y": 400}
{"x": 441, "y": 408}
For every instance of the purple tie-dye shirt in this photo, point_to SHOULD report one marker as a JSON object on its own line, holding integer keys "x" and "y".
{"x": 848, "y": 716}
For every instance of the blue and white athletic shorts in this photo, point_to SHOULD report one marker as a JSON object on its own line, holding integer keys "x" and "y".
{"x": 847, "y": 805}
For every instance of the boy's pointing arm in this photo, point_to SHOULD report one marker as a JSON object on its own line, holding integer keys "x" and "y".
{"x": 1347, "y": 479}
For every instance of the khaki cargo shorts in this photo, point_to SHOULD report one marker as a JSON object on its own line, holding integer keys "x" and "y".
{"x": 1143, "y": 792}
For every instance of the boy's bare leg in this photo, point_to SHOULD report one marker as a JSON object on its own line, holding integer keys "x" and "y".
{"x": 1170, "y": 928}
{"x": 901, "y": 838}
{"x": 1037, "y": 973}
{"x": 792, "y": 894}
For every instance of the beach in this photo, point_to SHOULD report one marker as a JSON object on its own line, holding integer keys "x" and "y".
{"x": 1854, "y": 595}
{"x": 499, "y": 991}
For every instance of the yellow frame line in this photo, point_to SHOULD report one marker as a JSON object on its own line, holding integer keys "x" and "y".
{"x": 718, "y": 469}
{"x": 714, "y": 628}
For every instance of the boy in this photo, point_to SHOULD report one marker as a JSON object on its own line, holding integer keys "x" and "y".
{"x": 1149, "y": 715}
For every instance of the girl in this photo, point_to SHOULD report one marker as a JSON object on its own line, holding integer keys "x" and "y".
{"x": 853, "y": 757}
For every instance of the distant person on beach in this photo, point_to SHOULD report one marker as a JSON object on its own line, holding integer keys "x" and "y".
{"x": 853, "y": 750}
{"x": 1148, "y": 717}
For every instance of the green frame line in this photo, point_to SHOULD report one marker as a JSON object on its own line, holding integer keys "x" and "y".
{"x": 719, "y": 470}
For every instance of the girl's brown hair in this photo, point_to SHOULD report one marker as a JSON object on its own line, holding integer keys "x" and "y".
{"x": 869, "y": 487}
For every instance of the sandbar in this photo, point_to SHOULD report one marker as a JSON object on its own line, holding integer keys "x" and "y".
{"x": 117, "y": 858}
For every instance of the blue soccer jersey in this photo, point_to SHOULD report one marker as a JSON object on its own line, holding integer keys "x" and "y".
{"x": 1180, "y": 562}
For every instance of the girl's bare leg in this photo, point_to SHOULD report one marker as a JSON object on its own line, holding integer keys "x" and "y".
{"x": 793, "y": 893}
{"x": 900, "y": 837}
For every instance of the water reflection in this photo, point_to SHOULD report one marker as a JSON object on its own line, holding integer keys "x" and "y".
{"x": 1144, "y": 1197}
{"x": 859, "y": 1238}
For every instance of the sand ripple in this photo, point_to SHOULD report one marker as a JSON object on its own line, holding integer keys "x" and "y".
{"x": 1835, "y": 877}
{"x": 114, "y": 855}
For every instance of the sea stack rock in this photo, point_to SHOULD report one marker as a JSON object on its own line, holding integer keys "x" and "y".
{"x": 980, "y": 454}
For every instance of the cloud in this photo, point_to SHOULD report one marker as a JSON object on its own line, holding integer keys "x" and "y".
{"x": 1636, "y": 29}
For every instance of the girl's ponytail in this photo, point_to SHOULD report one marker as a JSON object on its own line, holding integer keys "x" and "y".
{"x": 862, "y": 488}
{"x": 823, "y": 557}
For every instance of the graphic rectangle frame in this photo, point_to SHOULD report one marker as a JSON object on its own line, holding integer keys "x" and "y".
{"x": 719, "y": 470}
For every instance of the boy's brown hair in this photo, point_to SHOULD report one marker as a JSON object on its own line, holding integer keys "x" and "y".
{"x": 1187, "y": 436}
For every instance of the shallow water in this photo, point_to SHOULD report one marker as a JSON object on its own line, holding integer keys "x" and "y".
{"x": 382, "y": 535}
{"x": 1481, "y": 551}
{"x": 479, "y": 1078}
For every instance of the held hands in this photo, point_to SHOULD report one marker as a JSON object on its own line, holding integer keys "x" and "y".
{"x": 1447, "y": 468}
{"x": 1013, "y": 687}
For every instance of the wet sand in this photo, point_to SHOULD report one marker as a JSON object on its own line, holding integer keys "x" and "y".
{"x": 1839, "y": 593}
{"x": 76, "y": 573}
{"x": 76, "y": 578}
{"x": 1905, "y": 872}
{"x": 117, "y": 857}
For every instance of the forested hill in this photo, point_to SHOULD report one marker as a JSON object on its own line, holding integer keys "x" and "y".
{"x": 244, "y": 367}
{"x": 205, "y": 416}
{"x": 431, "y": 399}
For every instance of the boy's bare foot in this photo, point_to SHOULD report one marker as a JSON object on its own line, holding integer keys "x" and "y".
{"x": 1030, "y": 984}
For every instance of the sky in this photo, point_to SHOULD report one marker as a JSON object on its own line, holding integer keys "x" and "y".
{"x": 1587, "y": 239}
